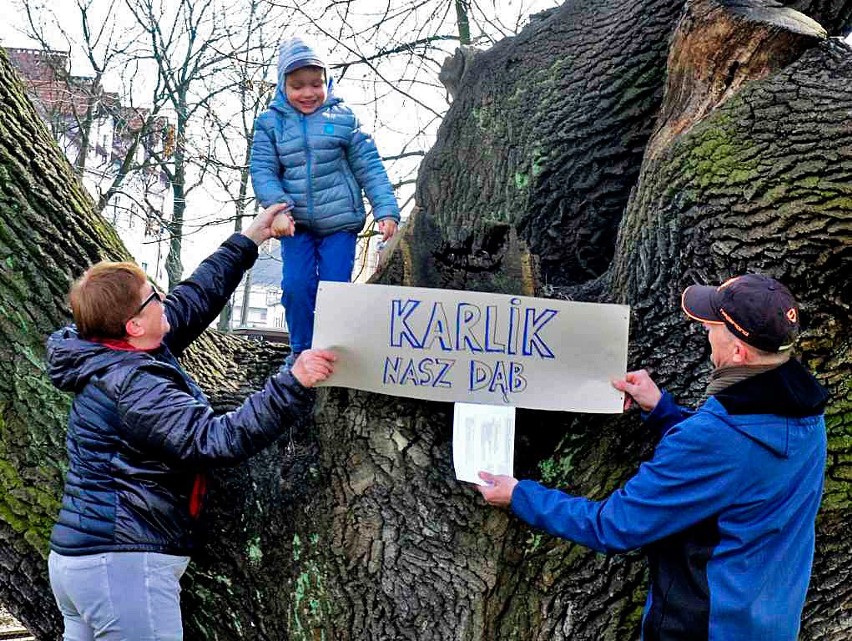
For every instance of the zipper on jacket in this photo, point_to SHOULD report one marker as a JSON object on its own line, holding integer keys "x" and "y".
{"x": 308, "y": 169}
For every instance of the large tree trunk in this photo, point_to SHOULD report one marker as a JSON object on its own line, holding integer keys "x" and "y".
{"x": 48, "y": 236}
{"x": 774, "y": 144}
{"x": 737, "y": 159}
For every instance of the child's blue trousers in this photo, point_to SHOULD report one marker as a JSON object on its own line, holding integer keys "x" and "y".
{"x": 308, "y": 259}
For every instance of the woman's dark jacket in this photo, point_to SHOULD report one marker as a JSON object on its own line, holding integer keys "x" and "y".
{"x": 140, "y": 430}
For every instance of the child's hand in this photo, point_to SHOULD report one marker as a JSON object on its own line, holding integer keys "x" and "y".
{"x": 260, "y": 228}
{"x": 387, "y": 227}
{"x": 283, "y": 225}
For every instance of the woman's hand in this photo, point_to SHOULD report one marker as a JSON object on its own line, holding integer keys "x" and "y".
{"x": 313, "y": 366}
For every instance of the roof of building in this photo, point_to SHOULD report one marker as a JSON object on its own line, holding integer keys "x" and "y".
{"x": 267, "y": 269}
{"x": 61, "y": 94}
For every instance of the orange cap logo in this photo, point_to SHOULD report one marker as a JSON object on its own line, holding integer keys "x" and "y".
{"x": 792, "y": 315}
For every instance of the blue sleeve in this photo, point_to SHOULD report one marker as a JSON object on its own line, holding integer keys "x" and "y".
{"x": 266, "y": 169}
{"x": 196, "y": 302}
{"x": 157, "y": 415}
{"x": 366, "y": 164}
{"x": 666, "y": 414}
{"x": 689, "y": 479}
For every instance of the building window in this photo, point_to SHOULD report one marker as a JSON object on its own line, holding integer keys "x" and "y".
{"x": 273, "y": 297}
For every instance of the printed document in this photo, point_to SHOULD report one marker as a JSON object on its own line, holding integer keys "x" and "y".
{"x": 483, "y": 440}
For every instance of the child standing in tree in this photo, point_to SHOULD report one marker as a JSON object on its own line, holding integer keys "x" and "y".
{"x": 310, "y": 152}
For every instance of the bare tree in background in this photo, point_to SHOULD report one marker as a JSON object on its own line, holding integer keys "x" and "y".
{"x": 203, "y": 63}
{"x": 230, "y": 123}
{"x": 71, "y": 104}
{"x": 188, "y": 43}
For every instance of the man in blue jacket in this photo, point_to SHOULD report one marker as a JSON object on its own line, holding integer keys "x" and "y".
{"x": 726, "y": 507}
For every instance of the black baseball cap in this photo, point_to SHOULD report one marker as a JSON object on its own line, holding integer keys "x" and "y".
{"x": 755, "y": 308}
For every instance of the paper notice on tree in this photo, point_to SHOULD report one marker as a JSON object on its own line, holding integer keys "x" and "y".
{"x": 483, "y": 440}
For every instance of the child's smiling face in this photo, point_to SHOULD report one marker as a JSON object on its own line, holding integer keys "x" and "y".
{"x": 305, "y": 89}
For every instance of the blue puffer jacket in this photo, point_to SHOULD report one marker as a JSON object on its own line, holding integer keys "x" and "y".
{"x": 726, "y": 510}
{"x": 140, "y": 430}
{"x": 319, "y": 163}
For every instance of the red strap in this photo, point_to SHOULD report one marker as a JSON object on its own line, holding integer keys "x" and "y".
{"x": 196, "y": 499}
{"x": 117, "y": 343}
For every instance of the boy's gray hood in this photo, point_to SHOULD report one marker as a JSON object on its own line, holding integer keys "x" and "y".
{"x": 295, "y": 53}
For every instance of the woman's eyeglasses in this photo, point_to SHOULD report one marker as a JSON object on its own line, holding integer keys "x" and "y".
{"x": 154, "y": 295}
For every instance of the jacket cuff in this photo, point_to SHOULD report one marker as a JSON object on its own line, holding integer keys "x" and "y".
{"x": 245, "y": 245}
{"x": 663, "y": 413}
{"x": 293, "y": 384}
{"x": 523, "y": 501}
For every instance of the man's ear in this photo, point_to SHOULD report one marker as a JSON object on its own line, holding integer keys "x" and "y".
{"x": 742, "y": 353}
{"x": 133, "y": 329}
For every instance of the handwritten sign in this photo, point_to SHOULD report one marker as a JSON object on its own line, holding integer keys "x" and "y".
{"x": 448, "y": 345}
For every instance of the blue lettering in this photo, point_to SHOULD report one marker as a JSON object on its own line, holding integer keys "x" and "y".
{"x": 517, "y": 380}
{"x": 505, "y": 377}
{"x": 498, "y": 380}
{"x": 479, "y": 375}
{"x": 421, "y": 372}
{"x": 391, "y": 375}
{"x": 437, "y": 329}
{"x": 514, "y": 324}
{"x": 533, "y": 325}
{"x": 446, "y": 366}
{"x": 399, "y": 329}
{"x": 491, "y": 344}
{"x": 409, "y": 375}
{"x": 467, "y": 317}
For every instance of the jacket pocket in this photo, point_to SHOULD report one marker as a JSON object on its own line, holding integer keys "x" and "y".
{"x": 354, "y": 190}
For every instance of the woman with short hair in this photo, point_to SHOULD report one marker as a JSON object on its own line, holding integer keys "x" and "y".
{"x": 141, "y": 433}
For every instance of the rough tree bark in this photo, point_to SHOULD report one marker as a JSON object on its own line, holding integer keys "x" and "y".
{"x": 552, "y": 175}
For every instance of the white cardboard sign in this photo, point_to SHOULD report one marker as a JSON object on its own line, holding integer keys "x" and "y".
{"x": 449, "y": 345}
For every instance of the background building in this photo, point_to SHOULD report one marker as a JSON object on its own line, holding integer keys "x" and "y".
{"x": 263, "y": 305}
{"x": 109, "y": 146}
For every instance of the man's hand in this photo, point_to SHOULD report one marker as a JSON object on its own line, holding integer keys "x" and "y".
{"x": 313, "y": 366}
{"x": 639, "y": 388}
{"x": 260, "y": 229}
{"x": 499, "y": 489}
{"x": 387, "y": 226}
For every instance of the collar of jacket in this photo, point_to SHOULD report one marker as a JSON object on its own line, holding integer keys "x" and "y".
{"x": 281, "y": 105}
{"x": 787, "y": 390}
{"x": 121, "y": 345}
